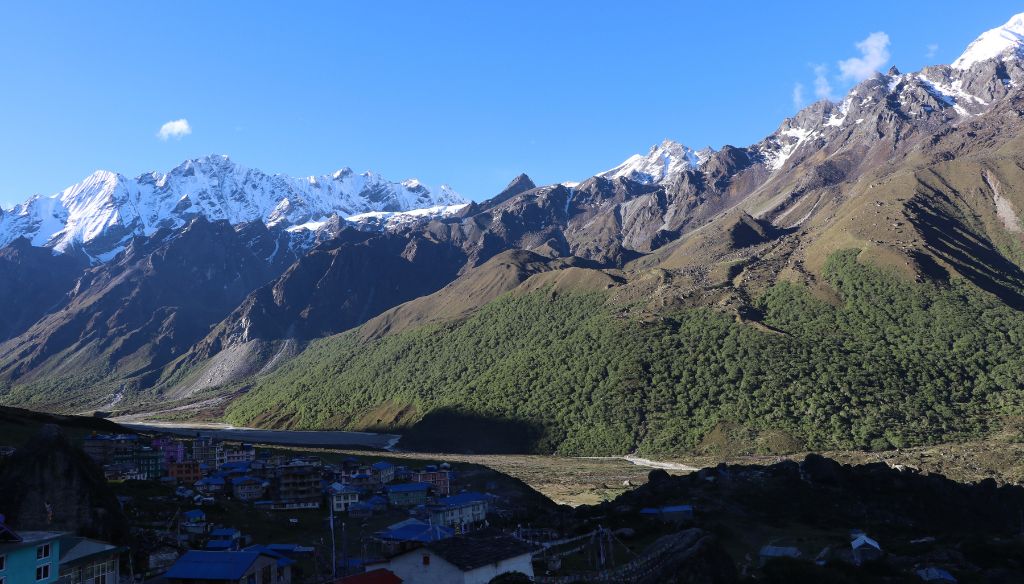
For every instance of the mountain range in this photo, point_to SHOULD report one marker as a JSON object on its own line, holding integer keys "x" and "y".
{"x": 853, "y": 280}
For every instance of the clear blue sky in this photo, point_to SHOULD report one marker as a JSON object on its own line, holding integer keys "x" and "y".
{"x": 467, "y": 93}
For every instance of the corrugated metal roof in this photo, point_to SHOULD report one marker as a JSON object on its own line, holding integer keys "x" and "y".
{"x": 462, "y": 499}
{"x": 418, "y": 533}
{"x": 408, "y": 487}
{"x": 207, "y": 565}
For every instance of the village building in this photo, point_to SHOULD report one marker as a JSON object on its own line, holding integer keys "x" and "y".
{"x": 194, "y": 521}
{"x": 409, "y": 534}
{"x": 103, "y": 447}
{"x": 214, "y": 567}
{"x": 242, "y": 453}
{"x": 463, "y": 511}
{"x": 462, "y": 560}
{"x": 247, "y": 488}
{"x": 210, "y": 485}
{"x": 382, "y": 472}
{"x": 299, "y": 482}
{"x": 864, "y": 548}
{"x": 172, "y": 449}
{"x": 378, "y": 576}
{"x": 342, "y": 497}
{"x": 208, "y": 451}
{"x": 150, "y": 462}
{"x": 439, "y": 479}
{"x": 407, "y": 494}
{"x": 160, "y": 559}
{"x": 122, "y": 472}
{"x": 771, "y": 552}
{"x": 361, "y": 480}
{"x": 224, "y": 539}
{"x": 187, "y": 472}
{"x": 29, "y": 556}
{"x": 89, "y": 561}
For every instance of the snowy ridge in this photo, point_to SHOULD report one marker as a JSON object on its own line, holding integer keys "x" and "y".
{"x": 101, "y": 213}
{"x": 384, "y": 219}
{"x": 1003, "y": 41}
{"x": 664, "y": 161}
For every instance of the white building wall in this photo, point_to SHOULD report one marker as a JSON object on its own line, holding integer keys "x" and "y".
{"x": 484, "y": 574}
{"x": 410, "y": 568}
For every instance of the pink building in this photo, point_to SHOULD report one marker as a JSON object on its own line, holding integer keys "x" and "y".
{"x": 173, "y": 450}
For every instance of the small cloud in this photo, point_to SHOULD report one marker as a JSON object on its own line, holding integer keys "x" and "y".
{"x": 932, "y": 50}
{"x": 174, "y": 129}
{"x": 874, "y": 52}
{"x": 798, "y": 96}
{"x": 822, "y": 88}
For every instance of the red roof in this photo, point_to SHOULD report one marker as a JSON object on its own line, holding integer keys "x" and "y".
{"x": 378, "y": 576}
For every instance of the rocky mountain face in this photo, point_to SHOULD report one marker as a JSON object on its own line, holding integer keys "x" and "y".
{"x": 125, "y": 319}
{"x": 212, "y": 273}
{"x": 35, "y": 281}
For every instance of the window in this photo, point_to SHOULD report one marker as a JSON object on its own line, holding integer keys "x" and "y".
{"x": 43, "y": 572}
{"x": 43, "y": 551}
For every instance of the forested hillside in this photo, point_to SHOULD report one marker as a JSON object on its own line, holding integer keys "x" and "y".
{"x": 892, "y": 363}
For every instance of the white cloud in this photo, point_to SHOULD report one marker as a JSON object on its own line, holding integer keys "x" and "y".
{"x": 822, "y": 88}
{"x": 874, "y": 52}
{"x": 932, "y": 50}
{"x": 174, "y": 129}
{"x": 798, "y": 96}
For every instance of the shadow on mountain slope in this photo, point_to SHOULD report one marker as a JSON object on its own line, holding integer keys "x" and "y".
{"x": 450, "y": 430}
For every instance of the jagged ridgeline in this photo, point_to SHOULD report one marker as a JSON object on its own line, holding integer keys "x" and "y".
{"x": 853, "y": 280}
{"x": 890, "y": 363}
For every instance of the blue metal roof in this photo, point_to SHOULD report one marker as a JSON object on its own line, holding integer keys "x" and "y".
{"x": 677, "y": 509}
{"x": 463, "y": 499}
{"x": 194, "y": 514}
{"x": 209, "y": 565}
{"x": 420, "y": 533}
{"x": 220, "y": 544}
{"x": 345, "y": 489}
{"x": 225, "y": 532}
{"x": 236, "y": 464}
{"x": 382, "y": 465}
{"x": 408, "y": 487}
{"x": 282, "y": 560}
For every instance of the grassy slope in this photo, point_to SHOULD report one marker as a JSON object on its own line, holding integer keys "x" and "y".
{"x": 895, "y": 364}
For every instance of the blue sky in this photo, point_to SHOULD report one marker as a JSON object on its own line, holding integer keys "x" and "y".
{"x": 466, "y": 93}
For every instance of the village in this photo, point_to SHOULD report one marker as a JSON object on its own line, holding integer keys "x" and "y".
{"x": 203, "y": 510}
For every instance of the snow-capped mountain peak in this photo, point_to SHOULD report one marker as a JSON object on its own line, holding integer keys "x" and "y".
{"x": 662, "y": 161}
{"x": 1003, "y": 41}
{"x": 103, "y": 211}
